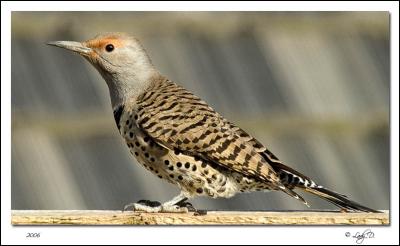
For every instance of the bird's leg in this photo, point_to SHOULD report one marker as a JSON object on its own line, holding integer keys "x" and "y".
{"x": 175, "y": 205}
{"x": 188, "y": 205}
{"x": 183, "y": 205}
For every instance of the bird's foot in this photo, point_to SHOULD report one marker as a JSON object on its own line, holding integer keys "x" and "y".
{"x": 166, "y": 208}
{"x": 188, "y": 205}
{"x": 143, "y": 205}
{"x": 155, "y": 207}
{"x": 190, "y": 208}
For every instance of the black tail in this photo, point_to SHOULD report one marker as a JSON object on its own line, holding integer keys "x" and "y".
{"x": 339, "y": 200}
{"x": 294, "y": 179}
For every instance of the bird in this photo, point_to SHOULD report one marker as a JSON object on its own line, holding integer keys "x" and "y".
{"x": 178, "y": 137}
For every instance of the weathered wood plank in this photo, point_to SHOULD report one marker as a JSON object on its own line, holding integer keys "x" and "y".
{"x": 106, "y": 217}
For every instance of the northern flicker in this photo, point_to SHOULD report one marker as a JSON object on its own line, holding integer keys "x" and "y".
{"x": 180, "y": 138}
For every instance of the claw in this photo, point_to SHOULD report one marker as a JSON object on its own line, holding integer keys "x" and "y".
{"x": 126, "y": 207}
{"x": 191, "y": 208}
{"x": 200, "y": 212}
{"x": 187, "y": 205}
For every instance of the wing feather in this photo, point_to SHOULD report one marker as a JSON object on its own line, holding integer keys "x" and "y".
{"x": 176, "y": 118}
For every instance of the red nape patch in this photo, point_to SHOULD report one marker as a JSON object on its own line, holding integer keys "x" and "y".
{"x": 103, "y": 42}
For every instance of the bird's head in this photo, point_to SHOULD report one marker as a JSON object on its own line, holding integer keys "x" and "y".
{"x": 120, "y": 59}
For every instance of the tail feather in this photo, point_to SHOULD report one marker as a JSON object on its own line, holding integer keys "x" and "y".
{"x": 293, "y": 194}
{"x": 338, "y": 199}
{"x": 292, "y": 179}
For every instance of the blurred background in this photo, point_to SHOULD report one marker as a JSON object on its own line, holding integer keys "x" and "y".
{"x": 312, "y": 86}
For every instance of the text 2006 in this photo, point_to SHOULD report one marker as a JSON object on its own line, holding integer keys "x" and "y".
{"x": 33, "y": 234}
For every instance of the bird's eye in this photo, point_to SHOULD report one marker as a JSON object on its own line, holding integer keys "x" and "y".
{"x": 109, "y": 47}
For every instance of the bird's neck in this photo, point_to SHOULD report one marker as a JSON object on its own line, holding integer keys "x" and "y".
{"x": 127, "y": 88}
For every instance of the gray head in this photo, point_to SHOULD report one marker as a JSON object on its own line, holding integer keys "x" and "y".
{"x": 120, "y": 59}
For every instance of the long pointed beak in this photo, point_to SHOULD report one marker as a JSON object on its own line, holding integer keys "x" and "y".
{"x": 73, "y": 46}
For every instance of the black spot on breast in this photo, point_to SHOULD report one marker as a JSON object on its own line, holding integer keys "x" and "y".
{"x": 171, "y": 176}
{"x": 199, "y": 190}
{"x": 180, "y": 177}
{"x": 152, "y": 159}
{"x": 146, "y": 155}
{"x": 171, "y": 168}
{"x": 194, "y": 168}
{"x": 203, "y": 165}
{"x": 187, "y": 165}
{"x": 131, "y": 134}
{"x": 166, "y": 162}
{"x": 136, "y": 153}
{"x": 137, "y": 144}
{"x": 178, "y": 164}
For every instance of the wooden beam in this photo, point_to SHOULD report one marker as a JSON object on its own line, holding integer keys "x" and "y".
{"x": 107, "y": 217}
